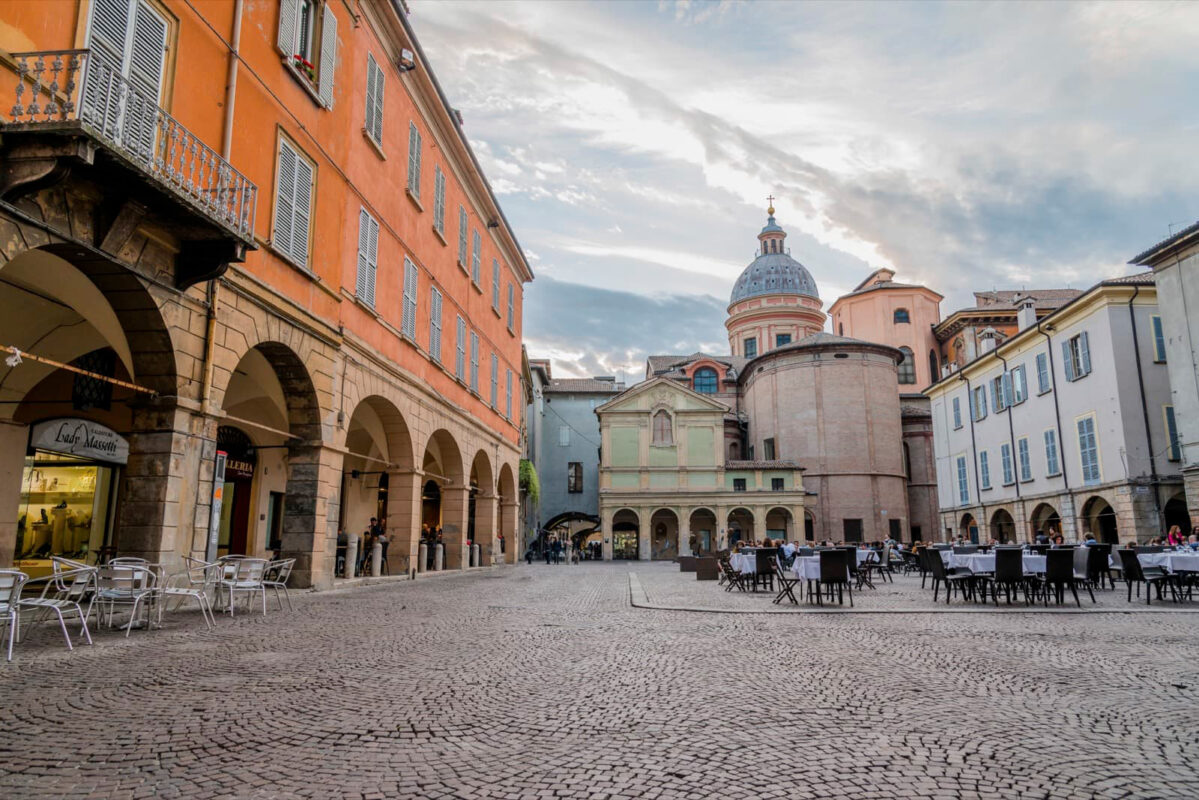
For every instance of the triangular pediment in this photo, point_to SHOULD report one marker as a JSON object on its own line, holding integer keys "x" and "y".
{"x": 659, "y": 392}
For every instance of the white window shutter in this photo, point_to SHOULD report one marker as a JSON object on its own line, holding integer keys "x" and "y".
{"x": 380, "y": 76}
{"x": 303, "y": 210}
{"x": 462, "y": 236}
{"x": 1007, "y": 390}
{"x": 363, "y": 237}
{"x": 328, "y": 55}
{"x": 460, "y": 357}
{"x": 413, "y": 146}
{"x": 416, "y": 175}
{"x": 1084, "y": 350}
{"x": 285, "y": 204}
{"x": 148, "y": 51}
{"x": 372, "y": 263}
{"x": 369, "y": 120}
{"x": 288, "y": 14}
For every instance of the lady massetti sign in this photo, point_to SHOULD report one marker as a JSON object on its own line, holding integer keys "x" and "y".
{"x": 81, "y": 438}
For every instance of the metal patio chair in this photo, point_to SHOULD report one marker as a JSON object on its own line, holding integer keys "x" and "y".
{"x": 277, "y": 573}
{"x": 245, "y": 578}
{"x": 62, "y": 595}
{"x": 11, "y": 583}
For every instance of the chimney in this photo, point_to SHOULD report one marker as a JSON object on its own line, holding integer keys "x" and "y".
{"x": 1026, "y": 312}
{"x": 988, "y": 340}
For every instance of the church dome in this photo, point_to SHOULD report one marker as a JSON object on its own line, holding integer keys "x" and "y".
{"x": 773, "y": 273}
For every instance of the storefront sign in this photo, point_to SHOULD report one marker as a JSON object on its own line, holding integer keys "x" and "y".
{"x": 238, "y": 469}
{"x": 79, "y": 437}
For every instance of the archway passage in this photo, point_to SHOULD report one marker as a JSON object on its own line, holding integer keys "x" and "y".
{"x": 626, "y": 535}
{"x": 481, "y": 512}
{"x": 85, "y": 503}
{"x": 1099, "y": 518}
{"x": 740, "y": 527}
{"x": 442, "y": 464}
{"x": 780, "y": 524}
{"x": 1003, "y": 527}
{"x": 664, "y": 544}
{"x": 1045, "y": 520}
{"x": 703, "y": 532}
{"x": 505, "y": 549}
{"x": 968, "y": 528}
{"x": 809, "y": 526}
{"x": 1175, "y": 513}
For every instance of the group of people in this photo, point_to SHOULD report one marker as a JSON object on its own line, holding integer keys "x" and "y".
{"x": 376, "y": 531}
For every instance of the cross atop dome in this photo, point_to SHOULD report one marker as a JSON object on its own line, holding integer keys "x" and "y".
{"x": 770, "y": 209}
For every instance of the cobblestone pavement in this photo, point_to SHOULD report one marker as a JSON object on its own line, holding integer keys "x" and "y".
{"x": 544, "y": 682}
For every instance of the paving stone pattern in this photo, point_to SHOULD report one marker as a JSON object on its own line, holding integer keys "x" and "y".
{"x": 544, "y": 682}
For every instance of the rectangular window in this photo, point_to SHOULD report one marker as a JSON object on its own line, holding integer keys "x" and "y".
{"x": 957, "y": 413}
{"x": 1019, "y": 385}
{"x": 1025, "y": 459}
{"x": 852, "y": 529}
{"x": 978, "y": 403}
{"x": 435, "y": 324}
{"x": 768, "y": 449}
{"x": 368, "y": 257}
{"x": 414, "y": 160}
{"x": 1088, "y": 450}
{"x": 563, "y": 436}
{"x": 1009, "y": 474}
{"x": 495, "y": 285}
{"x": 495, "y": 381}
{"x": 999, "y": 393}
{"x": 963, "y": 482}
{"x": 297, "y": 39}
{"x": 1159, "y": 340}
{"x": 984, "y": 466}
{"x": 738, "y": 484}
{"x": 460, "y": 355}
{"x": 1043, "y": 383}
{"x": 374, "y": 101}
{"x": 781, "y": 339}
{"x": 1052, "y": 463}
{"x": 474, "y": 362}
{"x": 462, "y": 237}
{"x": 475, "y": 256}
{"x": 574, "y": 477}
{"x": 1076, "y": 353}
{"x": 776, "y": 484}
{"x": 408, "y": 321}
{"x": 751, "y": 347}
{"x": 1175, "y": 449}
{"x": 439, "y": 200}
{"x": 511, "y": 307}
{"x": 508, "y": 394}
{"x": 293, "y": 204}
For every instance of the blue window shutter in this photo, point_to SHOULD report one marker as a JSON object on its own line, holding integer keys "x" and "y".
{"x": 1085, "y": 352}
{"x": 1068, "y": 360}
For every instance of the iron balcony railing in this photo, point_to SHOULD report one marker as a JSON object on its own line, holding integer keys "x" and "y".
{"x": 69, "y": 88}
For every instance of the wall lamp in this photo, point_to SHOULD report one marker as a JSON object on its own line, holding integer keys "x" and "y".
{"x": 407, "y": 63}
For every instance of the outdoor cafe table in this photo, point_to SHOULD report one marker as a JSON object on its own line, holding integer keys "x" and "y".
{"x": 1174, "y": 562}
{"x": 985, "y": 562}
{"x": 746, "y": 562}
{"x": 807, "y": 568}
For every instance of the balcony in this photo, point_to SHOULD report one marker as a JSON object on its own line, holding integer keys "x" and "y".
{"x": 77, "y": 119}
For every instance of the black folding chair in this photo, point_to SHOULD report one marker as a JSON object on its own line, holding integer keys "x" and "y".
{"x": 786, "y": 584}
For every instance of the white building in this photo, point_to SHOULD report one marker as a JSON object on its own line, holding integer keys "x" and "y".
{"x": 1175, "y": 264}
{"x": 1067, "y": 426}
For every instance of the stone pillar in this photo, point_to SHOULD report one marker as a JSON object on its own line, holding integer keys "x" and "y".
{"x": 14, "y": 440}
{"x": 422, "y": 556}
{"x": 1072, "y": 527}
{"x": 721, "y": 534}
{"x": 606, "y": 530}
{"x": 170, "y": 465}
{"x": 439, "y": 558}
{"x": 377, "y": 559}
{"x": 403, "y": 520}
{"x": 351, "y": 556}
{"x": 454, "y": 509}
{"x": 310, "y": 511}
{"x": 485, "y": 527}
{"x": 684, "y": 533}
{"x": 645, "y": 534}
{"x": 508, "y": 525}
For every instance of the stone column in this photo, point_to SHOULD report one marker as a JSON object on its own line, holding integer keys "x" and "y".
{"x": 606, "y": 529}
{"x": 170, "y": 466}
{"x": 310, "y": 510}
{"x": 721, "y": 534}
{"x": 684, "y": 533}
{"x": 485, "y": 527}
{"x": 645, "y": 534}
{"x": 403, "y": 519}
{"x": 509, "y": 525}
{"x": 13, "y": 441}
{"x": 454, "y": 510}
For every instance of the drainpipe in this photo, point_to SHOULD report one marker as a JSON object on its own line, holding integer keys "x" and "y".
{"x": 1057, "y": 415}
{"x": 213, "y": 290}
{"x": 1136, "y": 349}
{"x": 973, "y": 445}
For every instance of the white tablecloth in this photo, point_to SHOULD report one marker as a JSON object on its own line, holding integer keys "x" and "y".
{"x": 807, "y": 568}
{"x": 1173, "y": 562}
{"x": 745, "y": 563}
{"x": 985, "y": 562}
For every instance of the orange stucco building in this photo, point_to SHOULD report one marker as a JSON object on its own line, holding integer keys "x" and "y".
{"x": 259, "y": 227}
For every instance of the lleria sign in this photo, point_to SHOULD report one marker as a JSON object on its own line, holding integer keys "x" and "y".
{"x": 82, "y": 438}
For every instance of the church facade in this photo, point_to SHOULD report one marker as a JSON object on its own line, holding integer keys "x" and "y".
{"x": 813, "y": 428}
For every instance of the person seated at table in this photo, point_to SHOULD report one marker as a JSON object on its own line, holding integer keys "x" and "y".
{"x": 1174, "y": 537}
{"x": 1089, "y": 540}
{"x": 1156, "y": 541}
{"x": 789, "y": 550}
{"x": 737, "y": 547}
{"x": 1193, "y": 541}
{"x": 1041, "y": 538}
{"x": 1058, "y": 541}
{"x": 767, "y": 543}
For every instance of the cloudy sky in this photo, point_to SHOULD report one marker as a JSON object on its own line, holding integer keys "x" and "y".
{"x": 967, "y": 146}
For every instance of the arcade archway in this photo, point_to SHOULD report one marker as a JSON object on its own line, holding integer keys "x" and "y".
{"x": 664, "y": 531}
{"x": 740, "y": 526}
{"x": 1099, "y": 518}
{"x": 703, "y": 532}
{"x": 626, "y": 535}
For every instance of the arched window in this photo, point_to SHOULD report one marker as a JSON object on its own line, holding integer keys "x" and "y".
{"x": 907, "y": 367}
{"x": 704, "y": 381}
{"x": 841, "y": 329}
{"x": 663, "y": 433}
{"x": 934, "y": 366}
{"x": 901, "y": 315}
{"x": 907, "y": 461}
